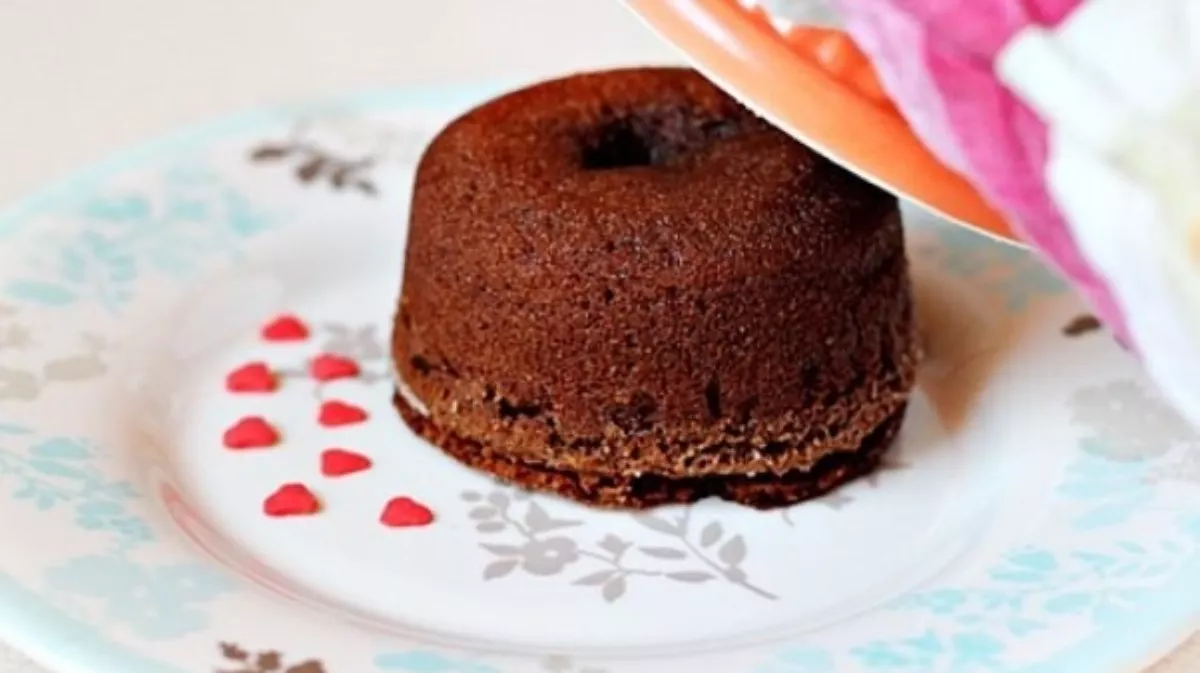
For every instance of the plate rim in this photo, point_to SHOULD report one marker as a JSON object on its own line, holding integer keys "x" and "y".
{"x": 35, "y": 627}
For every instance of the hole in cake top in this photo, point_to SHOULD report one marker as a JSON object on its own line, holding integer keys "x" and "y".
{"x": 652, "y": 138}
{"x": 617, "y": 145}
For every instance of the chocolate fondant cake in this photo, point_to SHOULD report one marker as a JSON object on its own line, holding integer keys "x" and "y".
{"x": 626, "y": 288}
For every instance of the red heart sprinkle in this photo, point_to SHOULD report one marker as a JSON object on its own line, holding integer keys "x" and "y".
{"x": 252, "y": 432}
{"x": 327, "y": 367}
{"x": 285, "y": 328}
{"x": 404, "y": 513}
{"x": 255, "y": 377}
{"x": 291, "y": 500}
{"x": 335, "y": 413}
{"x": 339, "y": 462}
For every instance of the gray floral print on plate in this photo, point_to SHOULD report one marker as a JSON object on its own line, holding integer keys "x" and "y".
{"x": 564, "y": 664}
{"x": 1127, "y": 422}
{"x": 25, "y": 384}
{"x": 1130, "y": 423}
{"x": 341, "y": 150}
{"x": 544, "y": 546}
{"x": 361, "y": 343}
{"x": 839, "y": 499}
{"x": 267, "y": 661}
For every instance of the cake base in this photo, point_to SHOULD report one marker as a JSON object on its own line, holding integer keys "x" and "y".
{"x": 762, "y": 491}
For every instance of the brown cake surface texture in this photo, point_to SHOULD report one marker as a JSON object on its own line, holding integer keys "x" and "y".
{"x": 625, "y": 288}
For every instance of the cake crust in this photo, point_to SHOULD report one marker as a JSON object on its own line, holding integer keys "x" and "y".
{"x": 617, "y": 491}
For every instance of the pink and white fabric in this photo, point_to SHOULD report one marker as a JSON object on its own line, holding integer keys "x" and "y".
{"x": 1081, "y": 120}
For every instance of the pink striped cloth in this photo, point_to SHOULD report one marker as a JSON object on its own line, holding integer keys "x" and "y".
{"x": 935, "y": 58}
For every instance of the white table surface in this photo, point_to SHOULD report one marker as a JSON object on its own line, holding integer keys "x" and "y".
{"x": 81, "y": 79}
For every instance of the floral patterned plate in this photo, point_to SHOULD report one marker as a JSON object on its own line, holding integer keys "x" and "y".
{"x": 1040, "y": 513}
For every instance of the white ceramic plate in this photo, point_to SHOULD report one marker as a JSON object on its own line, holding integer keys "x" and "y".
{"x": 1040, "y": 513}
